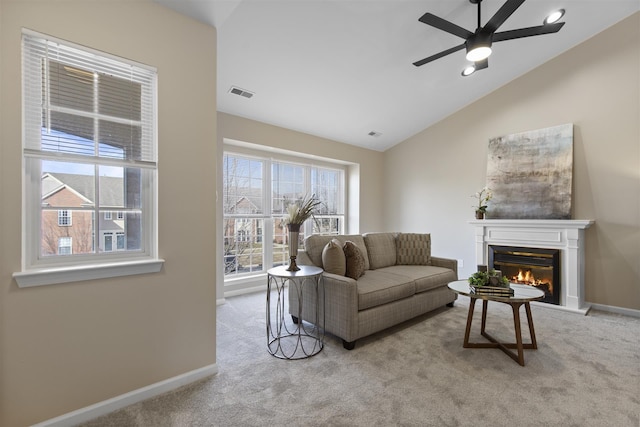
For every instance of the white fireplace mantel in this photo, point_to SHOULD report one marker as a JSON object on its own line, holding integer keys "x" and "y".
{"x": 565, "y": 235}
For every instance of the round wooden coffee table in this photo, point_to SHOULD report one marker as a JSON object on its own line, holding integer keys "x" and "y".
{"x": 522, "y": 295}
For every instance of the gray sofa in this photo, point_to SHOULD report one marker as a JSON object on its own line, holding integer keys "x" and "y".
{"x": 401, "y": 280}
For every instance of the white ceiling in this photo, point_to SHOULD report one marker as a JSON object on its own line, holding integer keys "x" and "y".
{"x": 339, "y": 69}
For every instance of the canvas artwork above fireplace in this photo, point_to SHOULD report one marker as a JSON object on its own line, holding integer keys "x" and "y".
{"x": 530, "y": 174}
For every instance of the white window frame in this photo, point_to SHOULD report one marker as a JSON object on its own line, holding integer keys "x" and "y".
{"x": 267, "y": 217}
{"x": 107, "y": 215}
{"x": 38, "y": 270}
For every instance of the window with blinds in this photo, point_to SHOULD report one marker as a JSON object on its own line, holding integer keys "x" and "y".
{"x": 89, "y": 149}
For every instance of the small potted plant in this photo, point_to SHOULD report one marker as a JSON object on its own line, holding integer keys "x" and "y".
{"x": 483, "y": 197}
{"x": 488, "y": 278}
{"x": 490, "y": 282}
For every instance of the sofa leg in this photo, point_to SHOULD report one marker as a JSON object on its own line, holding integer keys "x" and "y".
{"x": 450, "y": 304}
{"x": 348, "y": 345}
{"x": 295, "y": 319}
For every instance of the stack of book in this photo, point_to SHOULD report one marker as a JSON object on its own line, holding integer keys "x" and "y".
{"x": 492, "y": 290}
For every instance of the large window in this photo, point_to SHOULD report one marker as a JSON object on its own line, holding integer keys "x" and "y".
{"x": 256, "y": 193}
{"x": 89, "y": 150}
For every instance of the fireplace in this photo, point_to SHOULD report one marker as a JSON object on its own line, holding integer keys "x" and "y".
{"x": 537, "y": 267}
{"x": 567, "y": 236}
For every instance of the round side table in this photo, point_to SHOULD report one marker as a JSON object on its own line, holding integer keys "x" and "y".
{"x": 290, "y": 340}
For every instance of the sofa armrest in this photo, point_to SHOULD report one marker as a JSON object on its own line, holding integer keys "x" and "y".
{"x": 341, "y": 306}
{"x": 340, "y": 293}
{"x": 445, "y": 263}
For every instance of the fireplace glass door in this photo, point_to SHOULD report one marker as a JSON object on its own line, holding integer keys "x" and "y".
{"x": 538, "y": 267}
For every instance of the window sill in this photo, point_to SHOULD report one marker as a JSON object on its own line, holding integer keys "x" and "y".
{"x": 52, "y": 276}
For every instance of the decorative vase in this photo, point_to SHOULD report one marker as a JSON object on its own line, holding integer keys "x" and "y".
{"x": 479, "y": 215}
{"x": 294, "y": 231}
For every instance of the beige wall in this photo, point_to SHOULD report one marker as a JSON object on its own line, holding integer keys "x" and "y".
{"x": 63, "y": 347}
{"x": 595, "y": 86}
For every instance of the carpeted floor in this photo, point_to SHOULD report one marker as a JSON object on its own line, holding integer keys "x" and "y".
{"x": 586, "y": 372}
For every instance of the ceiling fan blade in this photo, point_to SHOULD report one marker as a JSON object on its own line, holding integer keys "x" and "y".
{"x": 527, "y": 32}
{"x": 502, "y": 15}
{"x": 439, "y": 55}
{"x": 444, "y": 25}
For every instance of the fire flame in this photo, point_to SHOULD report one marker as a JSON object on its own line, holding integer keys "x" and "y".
{"x": 525, "y": 277}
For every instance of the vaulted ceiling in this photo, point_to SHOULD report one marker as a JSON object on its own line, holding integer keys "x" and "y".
{"x": 341, "y": 69}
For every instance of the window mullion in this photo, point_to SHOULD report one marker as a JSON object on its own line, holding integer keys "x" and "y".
{"x": 308, "y": 225}
{"x": 268, "y": 237}
{"x": 97, "y": 241}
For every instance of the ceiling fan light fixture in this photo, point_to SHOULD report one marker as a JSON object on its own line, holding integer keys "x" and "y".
{"x": 554, "y": 17}
{"x": 478, "y": 53}
{"x": 478, "y": 47}
{"x": 468, "y": 70}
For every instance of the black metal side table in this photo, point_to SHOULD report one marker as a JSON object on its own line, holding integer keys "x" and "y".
{"x": 293, "y": 341}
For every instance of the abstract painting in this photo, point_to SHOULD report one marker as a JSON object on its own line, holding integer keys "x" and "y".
{"x": 530, "y": 174}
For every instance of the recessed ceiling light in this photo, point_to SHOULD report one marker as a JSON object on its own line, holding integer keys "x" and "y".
{"x": 554, "y": 17}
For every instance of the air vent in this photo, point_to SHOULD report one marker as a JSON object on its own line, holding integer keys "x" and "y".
{"x": 374, "y": 134}
{"x": 237, "y": 91}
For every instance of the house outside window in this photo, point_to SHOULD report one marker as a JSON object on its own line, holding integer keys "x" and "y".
{"x": 90, "y": 135}
{"x": 256, "y": 192}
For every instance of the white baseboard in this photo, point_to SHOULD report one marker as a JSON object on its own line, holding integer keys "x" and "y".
{"x": 259, "y": 288}
{"x": 106, "y": 406}
{"x": 617, "y": 310}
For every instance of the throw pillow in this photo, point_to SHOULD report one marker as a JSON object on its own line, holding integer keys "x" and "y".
{"x": 413, "y": 249}
{"x": 355, "y": 260}
{"x": 333, "y": 258}
{"x": 381, "y": 248}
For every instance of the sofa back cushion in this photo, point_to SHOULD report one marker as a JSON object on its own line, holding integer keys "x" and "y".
{"x": 333, "y": 258}
{"x": 315, "y": 243}
{"x": 354, "y": 260}
{"x": 413, "y": 249}
{"x": 381, "y": 248}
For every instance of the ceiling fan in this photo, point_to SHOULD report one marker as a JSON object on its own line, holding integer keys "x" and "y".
{"x": 478, "y": 43}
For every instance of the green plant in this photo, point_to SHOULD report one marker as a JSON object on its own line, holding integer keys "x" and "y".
{"x": 484, "y": 278}
{"x": 483, "y": 197}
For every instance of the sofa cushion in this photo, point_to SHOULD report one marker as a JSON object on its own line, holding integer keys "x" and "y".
{"x": 413, "y": 249}
{"x": 379, "y": 287}
{"x": 333, "y": 258}
{"x": 381, "y": 248}
{"x": 426, "y": 277}
{"x": 355, "y": 260}
{"x": 314, "y": 244}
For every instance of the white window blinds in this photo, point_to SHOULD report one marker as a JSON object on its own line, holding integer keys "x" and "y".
{"x": 81, "y": 104}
